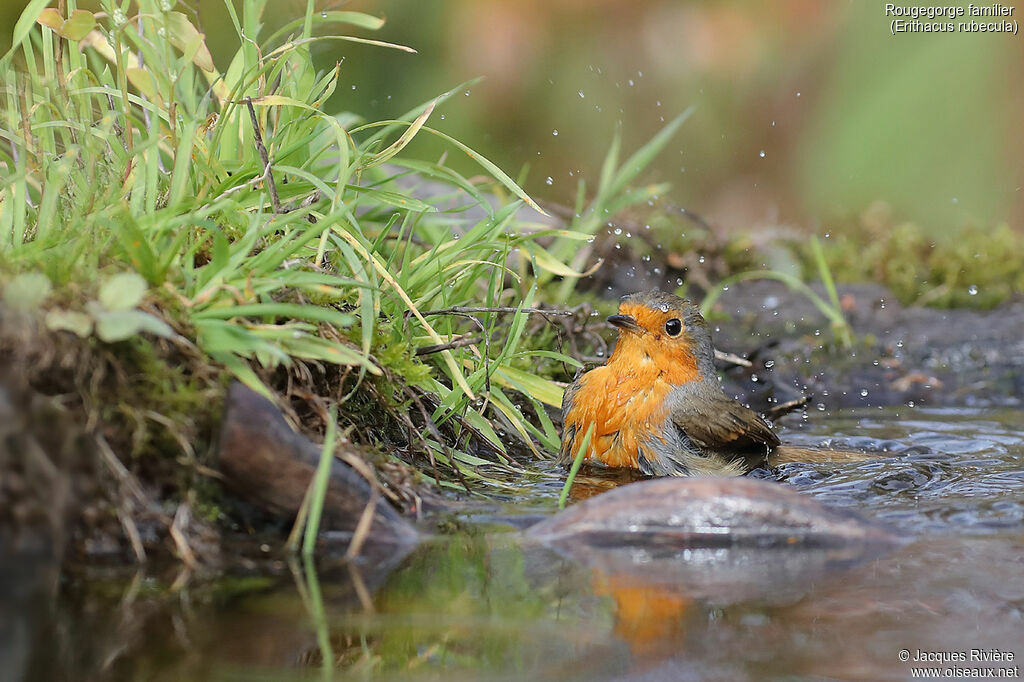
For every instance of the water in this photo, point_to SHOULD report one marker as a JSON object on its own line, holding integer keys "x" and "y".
{"x": 483, "y": 605}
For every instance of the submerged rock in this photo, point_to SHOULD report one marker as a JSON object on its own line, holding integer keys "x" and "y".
{"x": 706, "y": 512}
{"x": 719, "y": 539}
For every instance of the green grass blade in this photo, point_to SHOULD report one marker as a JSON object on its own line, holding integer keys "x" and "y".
{"x": 576, "y": 463}
{"x": 320, "y": 482}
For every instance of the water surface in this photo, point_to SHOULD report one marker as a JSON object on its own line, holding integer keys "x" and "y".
{"x": 481, "y": 604}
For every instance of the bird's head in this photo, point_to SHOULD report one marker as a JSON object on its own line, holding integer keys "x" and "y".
{"x": 664, "y": 328}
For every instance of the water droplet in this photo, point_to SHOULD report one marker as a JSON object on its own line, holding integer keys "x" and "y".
{"x": 617, "y": 230}
{"x": 761, "y": 154}
{"x": 549, "y": 181}
{"x": 955, "y": 200}
{"x": 797, "y": 94}
{"x": 555, "y": 133}
{"x": 630, "y": 82}
{"x": 972, "y": 290}
{"x": 769, "y": 364}
{"x": 580, "y": 93}
{"x": 864, "y": 392}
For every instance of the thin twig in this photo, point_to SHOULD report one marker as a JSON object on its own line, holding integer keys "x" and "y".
{"x": 457, "y": 342}
{"x": 431, "y": 426}
{"x": 732, "y": 359}
{"x": 121, "y": 473}
{"x": 264, "y": 157}
{"x": 362, "y": 530}
{"x": 359, "y": 585}
{"x": 464, "y": 423}
{"x": 460, "y": 309}
{"x": 181, "y": 520}
{"x": 305, "y": 203}
{"x": 695, "y": 218}
{"x": 785, "y": 408}
{"x": 124, "y": 515}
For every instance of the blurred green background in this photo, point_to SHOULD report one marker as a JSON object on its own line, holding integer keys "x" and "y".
{"x": 807, "y": 112}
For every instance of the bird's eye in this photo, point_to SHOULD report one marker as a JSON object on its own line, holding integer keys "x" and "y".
{"x": 673, "y": 327}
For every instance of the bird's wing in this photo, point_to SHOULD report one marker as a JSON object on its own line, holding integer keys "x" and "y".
{"x": 720, "y": 424}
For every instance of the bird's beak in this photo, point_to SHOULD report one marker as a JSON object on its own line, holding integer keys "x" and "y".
{"x": 625, "y": 323}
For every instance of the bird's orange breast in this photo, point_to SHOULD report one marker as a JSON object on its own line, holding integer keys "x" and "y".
{"x": 626, "y": 402}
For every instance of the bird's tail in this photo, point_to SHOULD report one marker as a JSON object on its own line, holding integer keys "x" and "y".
{"x": 791, "y": 453}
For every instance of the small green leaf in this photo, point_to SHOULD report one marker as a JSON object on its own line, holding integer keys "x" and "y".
{"x": 51, "y": 17}
{"x": 123, "y": 291}
{"x": 27, "y": 291}
{"x": 78, "y": 25}
{"x": 118, "y": 325}
{"x": 70, "y": 321}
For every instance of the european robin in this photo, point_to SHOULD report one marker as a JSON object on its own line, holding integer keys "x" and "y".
{"x": 656, "y": 405}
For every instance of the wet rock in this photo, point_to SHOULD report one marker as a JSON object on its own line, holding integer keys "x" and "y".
{"x": 723, "y": 540}
{"x": 677, "y": 513}
{"x": 266, "y": 462}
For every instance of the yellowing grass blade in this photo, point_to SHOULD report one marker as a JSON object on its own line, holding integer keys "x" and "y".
{"x": 402, "y": 141}
{"x": 449, "y": 359}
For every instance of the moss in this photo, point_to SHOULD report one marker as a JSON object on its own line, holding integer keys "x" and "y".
{"x": 979, "y": 268}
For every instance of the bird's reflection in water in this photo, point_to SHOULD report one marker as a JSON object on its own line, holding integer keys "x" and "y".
{"x": 593, "y": 480}
{"x": 650, "y": 619}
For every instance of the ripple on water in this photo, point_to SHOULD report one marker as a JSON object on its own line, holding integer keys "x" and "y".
{"x": 942, "y": 470}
